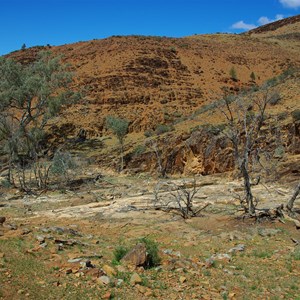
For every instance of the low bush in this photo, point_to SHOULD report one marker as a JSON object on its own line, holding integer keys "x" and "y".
{"x": 153, "y": 258}
{"x": 162, "y": 128}
{"x": 119, "y": 253}
{"x": 275, "y": 98}
{"x": 296, "y": 115}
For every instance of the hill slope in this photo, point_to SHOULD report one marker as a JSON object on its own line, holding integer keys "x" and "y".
{"x": 159, "y": 80}
{"x": 153, "y": 80}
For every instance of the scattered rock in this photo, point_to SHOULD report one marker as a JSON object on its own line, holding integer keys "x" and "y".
{"x": 40, "y": 238}
{"x": 268, "y": 232}
{"x": 182, "y": 279}
{"x": 297, "y": 224}
{"x": 121, "y": 269}
{"x": 109, "y": 270}
{"x": 240, "y": 247}
{"x": 87, "y": 264}
{"x": 135, "y": 279}
{"x": 221, "y": 257}
{"x": 75, "y": 260}
{"x": 69, "y": 271}
{"x": 104, "y": 280}
{"x": 209, "y": 262}
{"x": 137, "y": 256}
{"x": 12, "y": 226}
{"x": 2, "y": 220}
{"x": 120, "y": 282}
{"x": 108, "y": 295}
{"x": 25, "y": 231}
{"x": 43, "y": 245}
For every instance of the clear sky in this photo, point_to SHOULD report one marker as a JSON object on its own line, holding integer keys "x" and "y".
{"x": 57, "y": 22}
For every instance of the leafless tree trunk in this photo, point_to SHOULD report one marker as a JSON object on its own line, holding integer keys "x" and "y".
{"x": 170, "y": 196}
{"x": 291, "y": 202}
{"x": 245, "y": 118}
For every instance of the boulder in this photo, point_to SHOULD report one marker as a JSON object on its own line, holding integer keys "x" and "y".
{"x": 137, "y": 256}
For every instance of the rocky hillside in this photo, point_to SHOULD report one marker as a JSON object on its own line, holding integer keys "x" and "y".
{"x": 154, "y": 80}
{"x": 158, "y": 80}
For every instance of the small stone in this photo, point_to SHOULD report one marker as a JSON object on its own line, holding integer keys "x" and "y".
{"x": 268, "y": 232}
{"x": 209, "y": 262}
{"x": 141, "y": 289}
{"x": 60, "y": 247}
{"x": 104, "y": 280}
{"x": 297, "y": 224}
{"x": 40, "y": 238}
{"x": 75, "y": 260}
{"x": 222, "y": 257}
{"x": 12, "y": 226}
{"x": 120, "y": 282}
{"x": 25, "y": 231}
{"x": 168, "y": 251}
{"x": 68, "y": 271}
{"x": 2, "y": 254}
{"x": 109, "y": 270}
{"x": 2, "y": 220}
{"x": 240, "y": 247}
{"x": 89, "y": 264}
{"x": 135, "y": 279}
{"x": 43, "y": 245}
{"x": 182, "y": 279}
{"x": 121, "y": 269}
{"x": 149, "y": 293}
{"x": 107, "y": 296}
{"x": 21, "y": 292}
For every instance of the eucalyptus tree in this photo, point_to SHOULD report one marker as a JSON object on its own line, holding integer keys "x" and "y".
{"x": 30, "y": 96}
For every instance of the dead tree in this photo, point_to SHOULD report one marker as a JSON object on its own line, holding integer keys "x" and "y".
{"x": 179, "y": 197}
{"x": 290, "y": 204}
{"x": 245, "y": 118}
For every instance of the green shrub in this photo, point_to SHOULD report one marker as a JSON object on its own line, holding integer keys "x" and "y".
{"x": 162, "y": 128}
{"x": 62, "y": 162}
{"x": 119, "y": 253}
{"x": 271, "y": 82}
{"x": 279, "y": 152}
{"x": 152, "y": 251}
{"x": 296, "y": 254}
{"x": 233, "y": 74}
{"x": 282, "y": 116}
{"x": 296, "y": 115}
{"x": 148, "y": 133}
{"x": 275, "y": 98}
{"x": 139, "y": 149}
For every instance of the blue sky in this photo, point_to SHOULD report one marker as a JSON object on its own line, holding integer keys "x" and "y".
{"x": 57, "y": 22}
